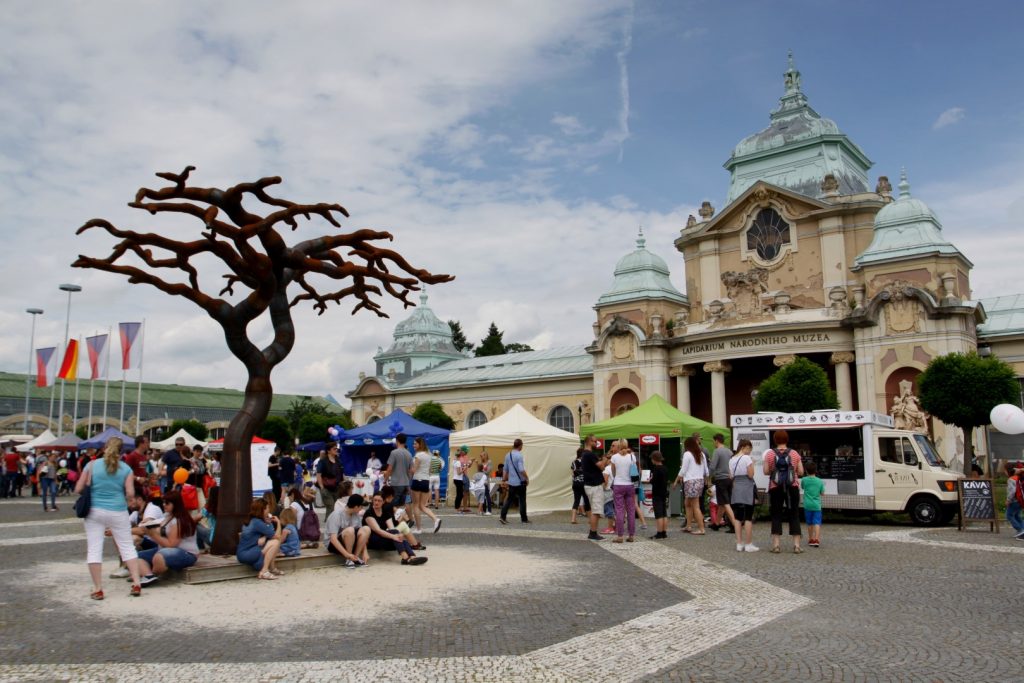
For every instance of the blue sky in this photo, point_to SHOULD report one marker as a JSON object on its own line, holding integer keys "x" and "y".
{"x": 517, "y": 146}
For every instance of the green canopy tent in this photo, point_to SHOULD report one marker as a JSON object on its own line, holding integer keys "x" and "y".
{"x": 655, "y": 416}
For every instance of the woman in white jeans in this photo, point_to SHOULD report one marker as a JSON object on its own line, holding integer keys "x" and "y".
{"x": 112, "y": 486}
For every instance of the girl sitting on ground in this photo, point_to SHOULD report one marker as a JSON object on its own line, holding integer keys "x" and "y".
{"x": 259, "y": 543}
{"x": 289, "y": 533}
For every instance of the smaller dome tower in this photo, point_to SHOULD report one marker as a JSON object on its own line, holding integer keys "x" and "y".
{"x": 421, "y": 341}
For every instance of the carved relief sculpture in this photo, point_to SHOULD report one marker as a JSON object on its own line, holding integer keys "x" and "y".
{"x": 829, "y": 186}
{"x": 902, "y": 312}
{"x": 745, "y": 290}
{"x": 906, "y": 410}
{"x": 883, "y": 187}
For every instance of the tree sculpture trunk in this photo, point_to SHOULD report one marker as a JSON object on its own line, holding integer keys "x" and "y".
{"x": 258, "y": 258}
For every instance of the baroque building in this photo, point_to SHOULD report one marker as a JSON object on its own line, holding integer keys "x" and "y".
{"x": 805, "y": 259}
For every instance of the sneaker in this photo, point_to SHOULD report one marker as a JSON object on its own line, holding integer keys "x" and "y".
{"x": 594, "y": 536}
{"x": 527, "y": 521}
{"x": 148, "y": 579}
{"x": 1021, "y": 535}
{"x": 609, "y": 530}
{"x": 119, "y": 573}
{"x": 349, "y": 564}
{"x": 813, "y": 544}
{"x": 488, "y": 513}
{"x": 437, "y": 524}
{"x": 136, "y": 591}
{"x": 96, "y": 595}
{"x": 503, "y": 520}
{"x": 750, "y": 548}
{"x": 739, "y": 547}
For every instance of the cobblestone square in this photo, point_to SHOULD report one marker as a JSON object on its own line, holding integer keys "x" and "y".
{"x": 874, "y": 603}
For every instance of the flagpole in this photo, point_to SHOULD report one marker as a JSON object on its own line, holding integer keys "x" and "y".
{"x": 74, "y": 411}
{"x": 121, "y": 419}
{"x": 138, "y": 399}
{"x": 106, "y": 379}
{"x": 70, "y": 289}
{"x": 92, "y": 385}
{"x": 53, "y": 393}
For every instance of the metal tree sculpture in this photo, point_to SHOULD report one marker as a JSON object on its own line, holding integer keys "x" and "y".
{"x": 257, "y": 258}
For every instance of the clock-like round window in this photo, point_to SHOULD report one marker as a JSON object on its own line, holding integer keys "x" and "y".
{"x": 768, "y": 235}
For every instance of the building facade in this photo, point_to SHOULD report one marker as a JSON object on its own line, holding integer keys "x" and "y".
{"x": 806, "y": 259}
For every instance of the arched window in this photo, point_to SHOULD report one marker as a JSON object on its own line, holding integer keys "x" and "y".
{"x": 768, "y": 235}
{"x": 475, "y": 419}
{"x": 561, "y": 417}
{"x": 623, "y": 401}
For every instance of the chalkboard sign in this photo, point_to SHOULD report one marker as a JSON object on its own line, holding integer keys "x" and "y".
{"x": 842, "y": 468}
{"x": 977, "y": 502}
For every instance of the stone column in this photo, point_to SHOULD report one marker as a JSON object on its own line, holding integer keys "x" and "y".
{"x": 683, "y": 374}
{"x": 842, "y": 360}
{"x": 718, "y": 369}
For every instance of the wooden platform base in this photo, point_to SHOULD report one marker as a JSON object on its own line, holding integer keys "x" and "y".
{"x": 210, "y": 568}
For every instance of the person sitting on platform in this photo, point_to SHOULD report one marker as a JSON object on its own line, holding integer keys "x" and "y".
{"x": 176, "y": 538}
{"x": 344, "y": 491}
{"x": 385, "y": 535}
{"x": 346, "y": 535}
{"x": 258, "y": 545}
{"x": 400, "y": 518}
{"x": 290, "y": 546}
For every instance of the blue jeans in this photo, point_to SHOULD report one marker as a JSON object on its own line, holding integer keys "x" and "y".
{"x": 174, "y": 558}
{"x": 1013, "y": 516}
{"x": 47, "y": 484}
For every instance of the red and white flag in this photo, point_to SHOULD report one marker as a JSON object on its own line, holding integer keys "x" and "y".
{"x": 97, "y": 347}
{"x": 46, "y": 366}
{"x": 131, "y": 347}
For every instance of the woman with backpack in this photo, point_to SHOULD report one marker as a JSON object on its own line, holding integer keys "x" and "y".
{"x": 784, "y": 469}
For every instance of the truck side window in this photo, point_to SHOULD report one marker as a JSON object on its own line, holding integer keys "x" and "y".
{"x": 909, "y": 455}
{"x": 889, "y": 450}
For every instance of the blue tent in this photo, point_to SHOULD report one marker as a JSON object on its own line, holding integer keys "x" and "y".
{"x": 379, "y": 437}
{"x": 100, "y": 440}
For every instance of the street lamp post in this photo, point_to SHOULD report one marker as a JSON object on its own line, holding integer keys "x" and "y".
{"x": 70, "y": 289}
{"x": 31, "y": 352}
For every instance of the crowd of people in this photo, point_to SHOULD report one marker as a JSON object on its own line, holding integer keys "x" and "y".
{"x": 609, "y": 485}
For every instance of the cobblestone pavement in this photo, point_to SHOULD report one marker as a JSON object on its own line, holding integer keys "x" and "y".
{"x": 875, "y": 603}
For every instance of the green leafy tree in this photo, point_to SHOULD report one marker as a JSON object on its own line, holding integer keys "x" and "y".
{"x": 301, "y": 407}
{"x": 82, "y": 432}
{"x": 491, "y": 345}
{"x": 277, "y": 429}
{"x": 459, "y": 337}
{"x": 433, "y": 414}
{"x": 516, "y": 347}
{"x": 314, "y": 427}
{"x": 801, "y": 386}
{"x": 962, "y": 389}
{"x": 194, "y": 427}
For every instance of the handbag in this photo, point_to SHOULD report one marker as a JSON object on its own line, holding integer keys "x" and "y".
{"x": 84, "y": 502}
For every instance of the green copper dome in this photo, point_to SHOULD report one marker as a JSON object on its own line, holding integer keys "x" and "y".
{"x": 797, "y": 150}
{"x": 906, "y": 228}
{"x": 641, "y": 274}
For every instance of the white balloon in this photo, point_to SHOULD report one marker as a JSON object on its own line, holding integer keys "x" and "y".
{"x": 1007, "y": 418}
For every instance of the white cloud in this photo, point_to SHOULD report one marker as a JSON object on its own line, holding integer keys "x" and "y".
{"x": 949, "y": 117}
{"x": 569, "y": 125}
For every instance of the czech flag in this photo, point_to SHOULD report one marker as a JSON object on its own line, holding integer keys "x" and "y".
{"x": 69, "y": 368}
{"x": 46, "y": 366}
{"x": 97, "y": 347}
{"x": 130, "y": 351}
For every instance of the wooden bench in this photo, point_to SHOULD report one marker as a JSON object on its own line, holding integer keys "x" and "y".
{"x": 210, "y": 568}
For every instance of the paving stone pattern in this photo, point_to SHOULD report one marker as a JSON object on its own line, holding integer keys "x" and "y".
{"x": 875, "y": 603}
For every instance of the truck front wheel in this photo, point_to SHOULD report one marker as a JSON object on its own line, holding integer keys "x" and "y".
{"x": 925, "y": 511}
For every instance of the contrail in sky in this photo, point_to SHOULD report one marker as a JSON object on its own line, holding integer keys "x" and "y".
{"x": 627, "y": 45}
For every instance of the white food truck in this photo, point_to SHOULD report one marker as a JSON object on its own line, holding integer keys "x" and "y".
{"x": 865, "y": 462}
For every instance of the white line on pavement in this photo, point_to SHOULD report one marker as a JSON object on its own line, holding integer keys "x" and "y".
{"x": 41, "y": 522}
{"x": 909, "y": 536}
{"x": 42, "y": 540}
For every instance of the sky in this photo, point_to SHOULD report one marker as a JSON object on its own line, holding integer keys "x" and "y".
{"x": 515, "y": 145}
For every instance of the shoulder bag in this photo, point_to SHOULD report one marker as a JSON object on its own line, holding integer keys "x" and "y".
{"x": 84, "y": 502}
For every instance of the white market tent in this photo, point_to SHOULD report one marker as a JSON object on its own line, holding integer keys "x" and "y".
{"x": 168, "y": 443}
{"x": 44, "y": 438}
{"x": 547, "y": 452}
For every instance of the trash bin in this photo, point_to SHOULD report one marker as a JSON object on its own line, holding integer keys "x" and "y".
{"x": 675, "y": 501}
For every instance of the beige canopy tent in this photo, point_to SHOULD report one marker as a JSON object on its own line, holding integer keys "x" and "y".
{"x": 44, "y": 438}
{"x": 547, "y": 452}
{"x": 168, "y": 443}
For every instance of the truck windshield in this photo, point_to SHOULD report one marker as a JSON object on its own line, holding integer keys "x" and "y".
{"x": 930, "y": 454}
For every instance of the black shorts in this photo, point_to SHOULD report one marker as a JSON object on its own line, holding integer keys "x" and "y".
{"x": 660, "y": 505}
{"x": 743, "y": 512}
{"x": 723, "y": 491}
{"x": 421, "y": 485}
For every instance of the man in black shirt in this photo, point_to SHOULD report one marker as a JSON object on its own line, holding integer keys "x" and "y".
{"x": 593, "y": 485}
